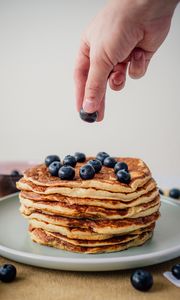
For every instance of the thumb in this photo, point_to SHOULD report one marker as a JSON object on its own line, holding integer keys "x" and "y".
{"x": 96, "y": 83}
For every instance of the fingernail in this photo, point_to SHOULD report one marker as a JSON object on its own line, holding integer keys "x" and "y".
{"x": 119, "y": 80}
{"x": 89, "y": 105}
{"x": 138, "y": 55}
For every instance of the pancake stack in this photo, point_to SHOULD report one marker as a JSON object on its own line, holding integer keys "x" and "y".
{"x": 90, "y": 216}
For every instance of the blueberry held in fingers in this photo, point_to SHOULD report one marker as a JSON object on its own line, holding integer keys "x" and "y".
{"x": 88, "y": 117}
{"x": 123, "y": 176}
{"x": 142, "y": 280}
{"x": 7, "y": 273}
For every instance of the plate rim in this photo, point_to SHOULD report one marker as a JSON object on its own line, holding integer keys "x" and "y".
{"x": 91, "y": 260}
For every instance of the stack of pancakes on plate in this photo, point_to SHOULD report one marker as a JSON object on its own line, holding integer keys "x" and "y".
{"x": 90, "y": 216}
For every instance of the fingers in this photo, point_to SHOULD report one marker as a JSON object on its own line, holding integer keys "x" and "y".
{"x": 95, "y": 88}
{"x": 80, "y": 74}
{"x": 117, "y": 77}
{"x": 101, "y": 110}
{"x": 137, "y": 64}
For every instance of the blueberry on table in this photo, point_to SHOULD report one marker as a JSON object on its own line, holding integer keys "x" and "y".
{"x": 101, "y": 156}
{"x": 69, "y": 160}
{"x": 87, "y": 172}
{"x": 109, "y": 162}
{"x": 123, "y": 176}
{"x": 50, "y": 158}
{"x": 120, "y": 166}
{"x": 174, "y": 193}
{"x": 88, "y": 117}
{"x": 7, "y": 273}
{"x": 176, "y": 271}
{"x": 96, "y": 164}
{"x": 54, "y": 168}
{"x": 66, "y": 173}
{"x": 80, "y": 157}
{"x": 142, "y": 280}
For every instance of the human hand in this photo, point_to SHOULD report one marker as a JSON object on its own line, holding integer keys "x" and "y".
{"x": 124, "y": 35}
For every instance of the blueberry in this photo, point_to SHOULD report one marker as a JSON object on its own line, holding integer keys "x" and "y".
{"x": 101, "y": 156}
{"x": 176, "y": 271}
{"x": 50, "y": 158}
{"x": 161, "y": 192}
{"x": 15, "y": 173}
{"x": 120, "y": 166}
{"x": 109, "y": 162}
{"x": 123, "y": 176}
{"x": 80, "y": 157}
{"x": 7, "y": 273}
{"x": 87, "y": 172}
{"x": 54, "y": 168}
{"x": 88, "y": 117}
{"x": 69, "y": 160}
{"x": 66, "y": 173}
{"x": 96, "y": 164}
{"x": 174, "y": 193}
{"x": 141, "y": 280}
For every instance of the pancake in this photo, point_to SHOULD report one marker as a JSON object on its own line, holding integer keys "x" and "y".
{"x": 104, "y": 180}
{"x": 84, "y": 211}
{"x": 45, "y": 238}
{"x": 110, "y": 204}
{"x": 23, "y": 184}
{"x": 103, "y": 226}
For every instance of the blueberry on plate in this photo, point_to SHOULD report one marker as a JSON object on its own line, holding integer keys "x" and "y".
{"x": 161, "y": 192}
{"x": 80, "y": 157}
{"x": 66, "y": 173}
{"x": 87, "y": 172}
{"x": 120, "y": 166}
{"x": 101, "y": 156}
{"x": 174, "y": 193}
{"x": 176, "y": 271}
{"x": 50, "y": 158}
{"x": 109, "y": 162}
{"x": 142, "y": 280}
{"x": 123, "y": 176}
{"x": 54, "y": 168}
{"x": 96, "y": 164}
{"x": 69, "y": 160}
{"x": 88, "y": 117}
{"x": 7, "y": 273}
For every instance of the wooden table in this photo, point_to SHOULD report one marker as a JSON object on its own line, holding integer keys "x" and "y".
{"x": 42, "y": 284}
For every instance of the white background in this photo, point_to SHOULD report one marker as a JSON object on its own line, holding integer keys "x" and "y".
{"x": 38, "y": 45}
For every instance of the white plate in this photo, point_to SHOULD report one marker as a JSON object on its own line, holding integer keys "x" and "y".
{"x": 15, "y": 244}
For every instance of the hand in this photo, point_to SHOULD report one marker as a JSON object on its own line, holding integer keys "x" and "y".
{"x": 124, "y": 35}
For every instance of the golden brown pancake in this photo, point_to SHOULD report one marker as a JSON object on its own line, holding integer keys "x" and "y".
{"x": 104, "y": 180}
{"x": 23, "y": 184}
{"x": 84, "y": 211}
{"x": 110, "y": 204}
{"x": 45, "y": 238}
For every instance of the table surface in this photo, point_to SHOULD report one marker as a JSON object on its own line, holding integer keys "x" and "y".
{"x": 36, "y": 284}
